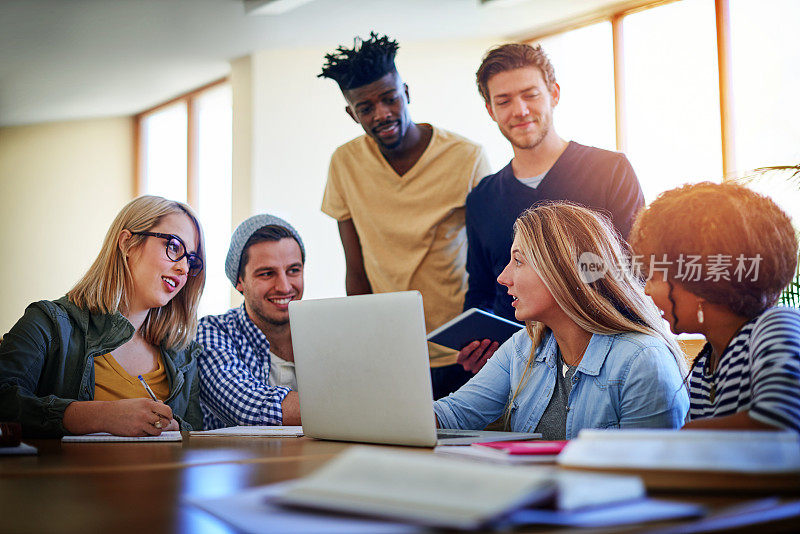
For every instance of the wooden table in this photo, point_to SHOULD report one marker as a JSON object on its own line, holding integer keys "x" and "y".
{"x": 139, "y": 487}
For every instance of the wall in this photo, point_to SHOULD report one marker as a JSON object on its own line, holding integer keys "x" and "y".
{"x": 241, "y": 79}
{"x": 298, "y": 120}
{"x": 61, "y": 184}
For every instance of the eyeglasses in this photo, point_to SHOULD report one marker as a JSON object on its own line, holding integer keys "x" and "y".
{"x": 176, "y": 251}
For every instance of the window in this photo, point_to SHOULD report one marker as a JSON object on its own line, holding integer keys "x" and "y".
{"x": 672, "y": 95}
{"x": 214, "y": 199}
{"x": 185, "y": 155}
{"x": 672, "y": 120}
{"x": 583, "y": 61}
{"x": 765, "y": 53}
{"x": 765, "y": 75}
{"x": 164, "y": 144}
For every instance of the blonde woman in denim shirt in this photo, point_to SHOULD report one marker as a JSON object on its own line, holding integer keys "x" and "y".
{"x": 595, "y": 352}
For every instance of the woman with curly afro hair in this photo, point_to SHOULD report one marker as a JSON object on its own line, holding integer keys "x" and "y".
{"x": 717, "y": 257}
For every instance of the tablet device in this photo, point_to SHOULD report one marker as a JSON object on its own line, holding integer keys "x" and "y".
{"x": 471, "y": 325}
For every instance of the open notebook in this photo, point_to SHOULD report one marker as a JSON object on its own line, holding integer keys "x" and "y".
{"x": 105, "y": 437}
{"x": 732, "y": 451}
{"x": 447, "y": 492}
{"x": 252, "y": 432}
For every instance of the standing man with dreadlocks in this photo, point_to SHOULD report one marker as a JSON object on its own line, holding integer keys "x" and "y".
{"x": 398, "y": 194}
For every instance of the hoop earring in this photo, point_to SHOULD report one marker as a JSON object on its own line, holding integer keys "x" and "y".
{"x": 700, "y": 317}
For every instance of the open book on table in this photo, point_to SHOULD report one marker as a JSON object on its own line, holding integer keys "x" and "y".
{"x": 727, "y": 459}
{"x": 446, "y": 492}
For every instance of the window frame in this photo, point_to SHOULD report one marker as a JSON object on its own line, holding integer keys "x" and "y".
{"x": 189, "y": 99}
{"x": 616, "y": 15}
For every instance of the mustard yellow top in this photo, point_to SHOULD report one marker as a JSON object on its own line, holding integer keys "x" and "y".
{"x": 112, "y": 382}
{"x": 411, "y": 227}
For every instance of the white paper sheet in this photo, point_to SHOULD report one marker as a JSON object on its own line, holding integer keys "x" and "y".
{"x": 694, "y": 450}
{"x": 250, "y": 511}
{"x": 21, "y": 449}
{"x": 484, "y": 454}
{"x": 169, "y": 435}
{"x": 640, "y": 511}
{"x": 253, "y": 431}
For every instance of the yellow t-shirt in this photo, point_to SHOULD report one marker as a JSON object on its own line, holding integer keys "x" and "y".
{"x": 411, "y": 227}
{"x": 112, "y": 382}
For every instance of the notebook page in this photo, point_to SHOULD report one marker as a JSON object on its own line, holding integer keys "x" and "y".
{"x": 253, "y": 431}
{"x": 22, "y": 448}
{"x": 701, "y": 450}
{"x": 170, "y": 435}
{"x": 487, "y": 455}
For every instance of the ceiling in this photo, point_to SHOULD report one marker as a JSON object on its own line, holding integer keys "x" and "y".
{"x": 75, "y": 59}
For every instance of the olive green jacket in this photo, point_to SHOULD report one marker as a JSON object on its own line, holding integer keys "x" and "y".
{"x": 47, "y": 362}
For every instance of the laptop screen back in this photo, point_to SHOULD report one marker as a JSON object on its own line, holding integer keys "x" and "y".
{"x": 362, "y": 368}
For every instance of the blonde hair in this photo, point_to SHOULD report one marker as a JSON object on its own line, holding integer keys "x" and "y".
{"x": 106, "y": 286}
{"x": 552, "y": 237}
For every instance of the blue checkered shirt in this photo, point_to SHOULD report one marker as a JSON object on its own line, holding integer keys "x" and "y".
{"x": 234, "y": 373}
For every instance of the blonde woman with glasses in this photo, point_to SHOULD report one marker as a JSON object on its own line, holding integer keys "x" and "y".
{"x": 595, "y": 352}
{"x": 71, "y": 366}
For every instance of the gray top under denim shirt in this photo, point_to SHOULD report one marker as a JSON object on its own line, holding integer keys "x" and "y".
{"x": 553, "y": 423}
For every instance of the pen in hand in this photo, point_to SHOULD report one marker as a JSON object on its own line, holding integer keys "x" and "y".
{"x": 147, "y": 388}
{"x": 152, "y": 396}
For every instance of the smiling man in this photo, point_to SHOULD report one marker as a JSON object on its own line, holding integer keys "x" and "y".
{"x": 247, "y": 368}
{"x": 518, "y": 85}
{"x": 398, "y": 194}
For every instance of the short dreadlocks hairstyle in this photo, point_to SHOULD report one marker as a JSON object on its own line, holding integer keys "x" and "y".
{"x": 366, "y": 62}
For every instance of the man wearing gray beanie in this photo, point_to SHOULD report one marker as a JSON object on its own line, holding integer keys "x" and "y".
{"x": 247, "y": 368}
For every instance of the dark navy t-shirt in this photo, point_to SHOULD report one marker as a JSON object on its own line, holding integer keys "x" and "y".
{"x": 590, "y": 176}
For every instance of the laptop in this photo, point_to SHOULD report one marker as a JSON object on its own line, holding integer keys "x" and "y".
{"x": 363, "y": 372}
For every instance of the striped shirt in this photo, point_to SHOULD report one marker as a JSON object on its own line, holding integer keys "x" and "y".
{"x": 234, "y": 373}
{"x": 758, "y": 372}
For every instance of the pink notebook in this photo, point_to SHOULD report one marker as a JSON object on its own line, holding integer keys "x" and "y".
{"x": 525, "y": 447}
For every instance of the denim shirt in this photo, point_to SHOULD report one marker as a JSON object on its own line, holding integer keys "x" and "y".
{"x": 628, "y": 380}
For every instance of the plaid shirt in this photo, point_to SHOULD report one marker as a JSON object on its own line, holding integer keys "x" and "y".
{"x": 234, "y": 373}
